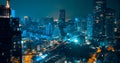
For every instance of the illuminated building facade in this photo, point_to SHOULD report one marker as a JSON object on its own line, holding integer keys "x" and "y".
{"x": 89, "y": 26}
{"x": 10, "y": 36}
{"x": 48, "y": 22}
{"x": 83, "y": 26}
{"x": 99, "y": 20}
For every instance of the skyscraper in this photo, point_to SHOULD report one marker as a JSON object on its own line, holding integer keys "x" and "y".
{"x": 99, "y": 20}
{"x": 16, "y": 40}
{"x": 118, "y": 23}
{"x": 89, "y": 26}
{"x": 110, "y": 24}
{"x": 117, "y": 33}
{"x": 62, "y": 24}
{"x": 10, "y": 36}
{"x": 62, "y": 15}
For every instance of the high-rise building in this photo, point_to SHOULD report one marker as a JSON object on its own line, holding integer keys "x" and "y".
{"x": 10, "y": 36}
{"x": 47, "y": 23}
{"x": 16, "y": 40}
{"x": 62, "y": 15}
{"x": 117, "y": 33}
{"x": 89, "y": 26}
{"x": 99, "y": 20}
{"x": 118, "y": 23}
{"x": 110, "y": 24}
{"x": 62, "y": 24}
{"x": 83, "y": 26}
{"x": 5, "y": 40}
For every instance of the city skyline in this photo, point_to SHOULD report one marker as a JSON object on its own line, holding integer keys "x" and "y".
{"x": 91, "y": 35}
{"x": 43, "y": 8}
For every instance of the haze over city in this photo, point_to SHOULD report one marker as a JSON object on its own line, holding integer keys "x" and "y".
{"x": 43, "y": 8}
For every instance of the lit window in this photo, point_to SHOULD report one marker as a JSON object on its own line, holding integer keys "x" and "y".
{"x": 101, "y": 15}
{"x": 97, "y": 7}
{"x": 97, "y": 21}
{"x": 25, "y": 17}
{"x": 14, "y": 42}
{"x": 18, "y": 29}
{"x": 99, "y": 2}
{"x": 115, "y": 29}
{"x": 20, "y": 25}
{"x": 2, "y": 54}
{"x": 115, "y": 22}
{"x": 14, "y": 46}
{"x": 100, "y": 33}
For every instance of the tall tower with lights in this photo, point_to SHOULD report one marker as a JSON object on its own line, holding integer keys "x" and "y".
{"x": 110, "y": 25}
{"x": 99, "y": 20}
{"x": 8, "y": 9}
{"x": 10, "y": 36}
{"x": 62, "y": 24}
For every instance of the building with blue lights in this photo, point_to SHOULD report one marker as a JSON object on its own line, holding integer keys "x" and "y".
{"x": 89, "y": 26}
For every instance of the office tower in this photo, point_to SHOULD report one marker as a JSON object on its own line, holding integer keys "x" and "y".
{"x": 5, "y": 35}
{"x": 49, "y": 25}
{"x": 83, "y": 26}
{"x": 117, "y": 33}
{"x": 89, "y": 26}
{"x": 47, "y": 22}
{"x": 61, "y": 23}
{"x": 110, "y": 24}
{"x": 5, "y": 40}
{"x": 118, "y": 23}
{"x": 62, "y": 15}
{"x": 76, "y": 24}
{"x": 16, "y": 39}
{"x": 9, "y": 36}
{"x": 99, "y": 20}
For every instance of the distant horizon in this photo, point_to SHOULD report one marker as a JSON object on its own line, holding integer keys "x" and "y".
{"x": 43, "y": 8}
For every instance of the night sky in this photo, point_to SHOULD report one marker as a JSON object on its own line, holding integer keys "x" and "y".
{"x": 43, "y": 8}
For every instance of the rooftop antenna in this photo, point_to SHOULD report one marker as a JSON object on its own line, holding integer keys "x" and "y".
{"x": 8, "y": 4}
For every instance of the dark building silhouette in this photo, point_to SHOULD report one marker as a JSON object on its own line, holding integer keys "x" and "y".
{"x": 117, "y": 33}
{"x": 62, "y": 24}
{"x": 62, "y": 15}
{"x": 10, "y": 36}
{"x": 16, "y": 39}
{"x": 110, "y": 24}
{"x": 99, "y": 20}
{"x": 118, "y": 24}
